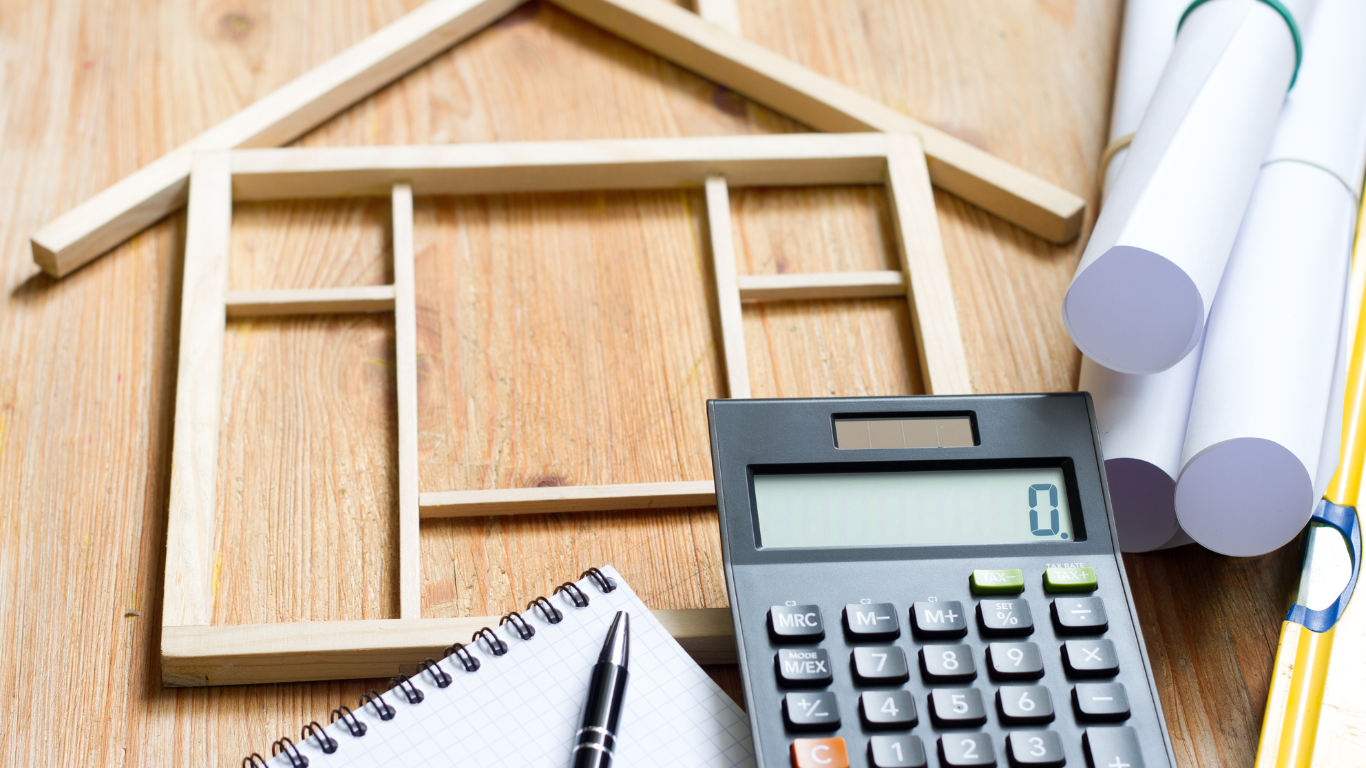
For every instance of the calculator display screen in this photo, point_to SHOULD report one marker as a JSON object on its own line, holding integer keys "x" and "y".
{"x": 891, "y": 509}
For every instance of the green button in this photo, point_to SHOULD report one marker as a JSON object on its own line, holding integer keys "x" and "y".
{"x": 1008, "y": 581}
{"x": 1069, "y": 579}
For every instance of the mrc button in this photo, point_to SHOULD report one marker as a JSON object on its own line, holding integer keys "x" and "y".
{"x": 803, "y": 666}
{"x": 796, "y": 623}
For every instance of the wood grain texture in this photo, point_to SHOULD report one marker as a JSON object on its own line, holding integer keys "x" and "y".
{"x": 822, "y": 285}
{"x": 95, "y": 89}
{"x": 722, "y": 240}
{"x": 405, "y": 381}
{"x": 310, "y": 301}
{"x": 548, "y": 499}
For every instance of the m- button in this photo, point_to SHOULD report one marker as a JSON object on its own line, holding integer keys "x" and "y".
{"x": 873, "y": 621}
{"x": 796, "y": 623}
{"x": 819, "y": 753}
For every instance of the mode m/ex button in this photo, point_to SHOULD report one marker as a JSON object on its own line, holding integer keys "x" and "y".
{"x": 802, "y": 667}
{"x": 796, "y": 623}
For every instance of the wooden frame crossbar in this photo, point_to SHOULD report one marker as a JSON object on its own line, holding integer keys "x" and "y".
{"x": 712, "y": 50}
{"x": 196, "y": 653}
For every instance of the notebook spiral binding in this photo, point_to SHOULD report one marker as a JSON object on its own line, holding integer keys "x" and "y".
{"x": 403, "y": 685}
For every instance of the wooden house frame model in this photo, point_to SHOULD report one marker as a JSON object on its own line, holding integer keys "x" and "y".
{"x": 227, "y": 163}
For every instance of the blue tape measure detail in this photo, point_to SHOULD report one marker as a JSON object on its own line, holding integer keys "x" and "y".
{"x": 1285, "y": 13}
{"x": 1344, "y": 520}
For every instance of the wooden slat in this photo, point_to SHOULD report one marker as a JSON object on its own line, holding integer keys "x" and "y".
{"x": 338, "y": 650}
{"x": 310, "y": 301}
{"x": 934, "y": 312}
{"x": 558, "y": 166}
{"x": 569, "y": 498}
{"x": 722, "y": 13}
{"x": 956, "y": 166}
{"x": 727, "y": 290}
{"x": 189, "y": 585}
{"x": 405, "y": 363}
{"x": 822, "y": 285}
{"x": 131, "y": 204}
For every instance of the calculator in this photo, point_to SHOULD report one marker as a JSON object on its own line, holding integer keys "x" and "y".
{"x": 922, "y": 581}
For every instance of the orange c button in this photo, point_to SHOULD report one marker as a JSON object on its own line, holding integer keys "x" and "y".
{"x": 819, "y": 753}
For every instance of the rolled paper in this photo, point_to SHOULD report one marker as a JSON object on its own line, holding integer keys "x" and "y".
{"x": 1142, "y": 421}
{"x": 1142, "y": 417}
{"x": 1251, "y": 468}
{"x": 1140, "y": 297}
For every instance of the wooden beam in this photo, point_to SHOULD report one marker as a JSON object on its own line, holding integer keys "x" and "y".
{"x": 405, "y": 362}
{"x": 934, "y": 312}
{"x": 822, "y": 285}
{"x": 558, "y": 166}
{"x": 190, "y": 546}
{"x": 747, "y": 68}
{"x": 568, "y": 498}
{"x": 727, "y": 288}
{"x": 339, "y": 650}
{"x": 141, "y": 198}
{"x": 722, "y": 13}
{"x": 310, "y": 301}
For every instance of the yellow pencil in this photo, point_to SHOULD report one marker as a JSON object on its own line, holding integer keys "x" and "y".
{"x": 1295, "y": 700}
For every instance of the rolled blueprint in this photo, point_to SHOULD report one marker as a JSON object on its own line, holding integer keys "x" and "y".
{"x": 1142, "y": 418}
{"x": 1148, "y": 276}
{"x": 1258, "y": 422}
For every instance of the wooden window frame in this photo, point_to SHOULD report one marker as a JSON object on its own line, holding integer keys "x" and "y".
{"x": 194, "y": 652}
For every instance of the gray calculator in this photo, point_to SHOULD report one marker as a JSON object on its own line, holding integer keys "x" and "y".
{"x": 930, "y": 581}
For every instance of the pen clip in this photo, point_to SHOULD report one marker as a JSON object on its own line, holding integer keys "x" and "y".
{"x": 1344, "y": 521}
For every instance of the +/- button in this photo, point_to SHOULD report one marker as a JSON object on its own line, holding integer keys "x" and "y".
{"x": 819, "y": 753}
{"x": 1069, "y": 580}
{"x": 811, "y": 711}
{"x": 1008, "y": 581}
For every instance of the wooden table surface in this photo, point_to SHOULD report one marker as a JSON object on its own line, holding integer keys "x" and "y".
{"x": 563, "y": 339}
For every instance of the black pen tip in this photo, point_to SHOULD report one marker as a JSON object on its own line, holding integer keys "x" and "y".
{"x": 617, "y": 649}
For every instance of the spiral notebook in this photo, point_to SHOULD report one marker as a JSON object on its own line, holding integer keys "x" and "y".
{"x": 514, "y": 696}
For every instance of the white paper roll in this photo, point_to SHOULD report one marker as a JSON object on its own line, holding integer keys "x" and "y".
{"x": 1142, "y": 418}
{"x": 1142, "y": 422}
{"x": 1139, "y": 299}
{"x": 1258, "y": 448}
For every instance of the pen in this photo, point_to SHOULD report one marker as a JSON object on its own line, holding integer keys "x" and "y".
{"x": 597, "y": 736}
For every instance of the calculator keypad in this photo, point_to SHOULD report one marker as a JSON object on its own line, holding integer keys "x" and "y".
{"x": 1041, "y": 685}
{"x": 879, "y": 665}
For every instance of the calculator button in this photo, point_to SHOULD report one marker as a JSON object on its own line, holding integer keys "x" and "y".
{"x": 888, "y": 709}
{"x": 811, "y": 711}
{"x": 1005, "y": 618}
{"x": 819, "y": 753}
{"x": 938, "y": 619}
{"x": 1036, "y": 749}
{"x": 1069, "y": 580}
{"x": 1090, "y": 658}
{"x": 1109, "y": 747}
{"x": 947, "y": 663}
{"x": 1080, "y": 615}
{"x": 967, "y": 750}
{"x": 1008, "y": 581}
{"x": 957, "y": 706}
{"x": 796, "y": 623}
{"x": 1100, "y": 702}
{"x": 1024, "y": 704}
{"x": 882, "y": 665}
{"x": 896, "y": 752}
{"x": 802, "y": 666}
{"x": 1014, "y": 661}
{"x": 875, "y": 621}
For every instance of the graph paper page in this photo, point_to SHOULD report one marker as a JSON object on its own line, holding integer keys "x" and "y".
{"x": 523, "y": 708}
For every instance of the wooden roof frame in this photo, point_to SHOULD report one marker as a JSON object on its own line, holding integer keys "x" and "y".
{"x": 159, "y": 188}
{"x": 195, "y": 652}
